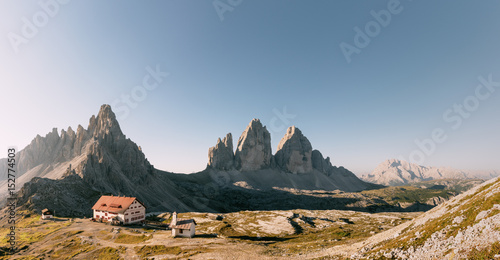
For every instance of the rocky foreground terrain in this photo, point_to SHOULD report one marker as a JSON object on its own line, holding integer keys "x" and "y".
{"x": 293, "y": 234}
{"x": 465, "y": 227}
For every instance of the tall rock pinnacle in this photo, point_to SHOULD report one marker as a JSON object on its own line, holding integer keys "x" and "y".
{"x": 294, "y": 152}
{"x": 254, "y": 148}
{"x": 105, "y": 126}
{"x": 221, "y": 156}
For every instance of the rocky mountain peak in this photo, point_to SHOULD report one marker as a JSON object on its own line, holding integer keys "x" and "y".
{"x": 70, "y": 131}
{"x": 221, "y": 156}
{"x": 254, "y": 148}
{"x": 319, "y": 163}
{"x": 398, "y": 172}
{"x": 105, "y": 125}
{"x": 294, "y": 152}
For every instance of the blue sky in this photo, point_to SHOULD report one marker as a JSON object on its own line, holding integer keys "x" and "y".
{"x": 262, "y": 59}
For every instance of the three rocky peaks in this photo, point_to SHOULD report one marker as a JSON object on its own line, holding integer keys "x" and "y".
{"x": 59, "y": 171}
{"x": 253, "y": 153}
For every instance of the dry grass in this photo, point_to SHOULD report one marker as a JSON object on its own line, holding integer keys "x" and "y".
{"x": 468, "y": 208}
{"x": 131, "y": 239}
{"x": 70, "y": 248}
{"x": 105, "y": 253}
{"x": 147, "y": 251}
{"x": 31, "y": 229}
{"x": 486, "y": 253}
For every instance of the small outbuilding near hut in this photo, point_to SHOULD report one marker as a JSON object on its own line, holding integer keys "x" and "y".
{"x": 182, "y": 227}
{"x": 47, "y": 214}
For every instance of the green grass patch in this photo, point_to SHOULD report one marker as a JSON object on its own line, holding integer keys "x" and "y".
{"x": 147, "y": 251}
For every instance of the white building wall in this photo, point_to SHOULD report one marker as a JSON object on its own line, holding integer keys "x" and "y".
{"x": 46, "y": 216}
{"x": 176, "y": 232}
{"x": 135, "y": 213}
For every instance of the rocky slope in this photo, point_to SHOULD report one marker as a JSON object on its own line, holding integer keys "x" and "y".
{"x": 396, "y": 172}
{"x": 464, "y": 227}
{"x": 101, "y": 160}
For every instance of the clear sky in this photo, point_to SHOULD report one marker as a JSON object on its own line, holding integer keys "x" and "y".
{"x": 413, "y": 76}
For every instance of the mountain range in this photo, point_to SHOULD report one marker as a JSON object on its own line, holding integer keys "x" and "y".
{"x": 69, "y": 171}
{"x": 395, "y": 172}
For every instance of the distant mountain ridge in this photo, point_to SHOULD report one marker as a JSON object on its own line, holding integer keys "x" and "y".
{"x": 101, "y": 160}
{"x": 395, "y": 172}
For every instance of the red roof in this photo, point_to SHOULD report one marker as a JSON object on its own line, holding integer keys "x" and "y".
{"x": 114, "y": 204}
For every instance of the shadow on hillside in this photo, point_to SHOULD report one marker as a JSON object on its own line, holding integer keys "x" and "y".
{"x": 261, "y": 239}
{"x": 234, "y": 200}
{"x": 206, "y": 235}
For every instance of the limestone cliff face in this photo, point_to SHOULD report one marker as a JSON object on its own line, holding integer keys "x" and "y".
{"x": 221, "y": 156}
{"x": 254, "y": 148}
{"x": 319, "y": 163}
{"x": 294, "y": 152}
{"x": 113, "y": 162}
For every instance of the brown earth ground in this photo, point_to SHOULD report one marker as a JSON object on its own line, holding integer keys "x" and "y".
{"x": 291, "y": 234}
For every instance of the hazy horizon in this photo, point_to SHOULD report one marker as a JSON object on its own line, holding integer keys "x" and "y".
{"x": 365, "y": 83}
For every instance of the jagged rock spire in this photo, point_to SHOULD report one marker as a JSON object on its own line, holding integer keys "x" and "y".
{"x": 104, "y": 123}
{"x": 319, "y": 163}
{"x": 105, "y": 126}
{"x": 254, "y": 148}
{"x": 294, "y": 152}
{"x": 221, "y": 156}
